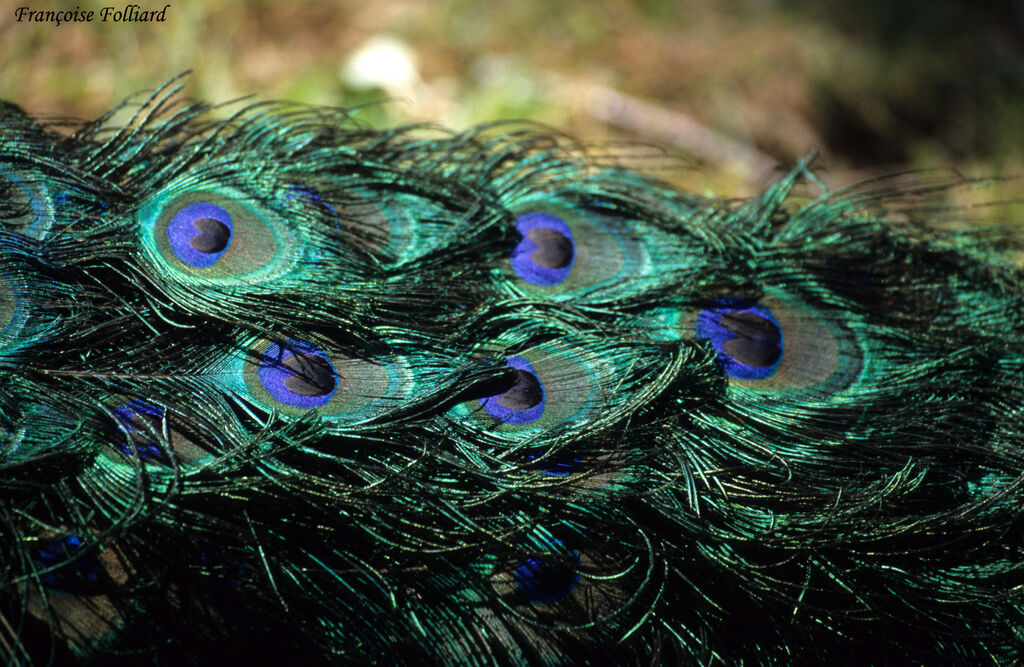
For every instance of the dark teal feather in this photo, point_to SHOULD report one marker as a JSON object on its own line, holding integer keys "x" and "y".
{"x": 277, "y": 387}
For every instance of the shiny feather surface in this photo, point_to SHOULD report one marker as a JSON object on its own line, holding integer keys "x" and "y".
{"x": 277, "y": 386}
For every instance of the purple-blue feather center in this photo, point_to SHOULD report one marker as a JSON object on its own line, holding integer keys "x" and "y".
{"x": 298, "y": 373}
{"x": 547, "y": 250}
{"x": 200, "y": 233}
{"x": 134, "y": 417}
{"x": 746, "y": 335}
{"x": 71, "y": 572}
{"x": 523, "y": 402}
{"x": 547, "y": 579}
{"x": 561, "y": 463}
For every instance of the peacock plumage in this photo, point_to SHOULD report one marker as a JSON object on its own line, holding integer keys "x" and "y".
{"x": 281, "y": 387}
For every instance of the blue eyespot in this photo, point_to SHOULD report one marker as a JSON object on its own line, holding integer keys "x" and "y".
{"x": 545, "y": 254}
{"x": 73, "y": 576}
{"x": 298, "y": 373}
{"x": 547, "y": 579}
{"x": 523, "y": 402}
{"x": 562, "y": 463}
{"x": 133, "y": 418}
{"x": 200, "y": 233}
{"x": 747, "y": 337}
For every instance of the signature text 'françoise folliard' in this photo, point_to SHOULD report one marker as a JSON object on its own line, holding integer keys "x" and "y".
{"x": 129, "y": 14}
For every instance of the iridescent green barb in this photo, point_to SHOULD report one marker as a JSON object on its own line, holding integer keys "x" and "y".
{"x": 284, "y": 388}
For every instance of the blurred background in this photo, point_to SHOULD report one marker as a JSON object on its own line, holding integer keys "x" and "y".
{"x": 731, "y": 88}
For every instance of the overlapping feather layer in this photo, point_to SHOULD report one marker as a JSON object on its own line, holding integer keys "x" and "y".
{"x": 329, "y": 394}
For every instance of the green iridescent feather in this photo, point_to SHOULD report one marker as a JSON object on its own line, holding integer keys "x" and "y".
{"x": 279, "y": 387}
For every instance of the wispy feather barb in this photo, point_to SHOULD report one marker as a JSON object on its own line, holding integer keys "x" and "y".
{"x": 281, "y": 386}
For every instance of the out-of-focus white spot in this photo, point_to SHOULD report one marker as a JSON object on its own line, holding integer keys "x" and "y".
{"x": 383, "y": 62}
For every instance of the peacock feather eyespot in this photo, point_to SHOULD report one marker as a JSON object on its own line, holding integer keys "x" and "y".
{"x": 556, "y": 385}
{"x": 546, "y": 252}
{"x": 219, "y": 234}
{"x": 200, "y": 234}
{"x": 139, "y": 419}
{"x": 781, "y": 342}
{"x": 568, "y": 250}
{"x": 545, "y": 579}
{"x": 63, "y": 570}
{"x": 293, "y": 376}
{"x": 746, "y": 336}
{"x": 561, "y": 463}
{"x": 299, "y": 374}
{"x": 523, "y": 402}
{"x": 161, "y": 433}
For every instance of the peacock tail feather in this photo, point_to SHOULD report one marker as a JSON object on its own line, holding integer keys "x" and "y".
{"x": 276, "y": 386}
